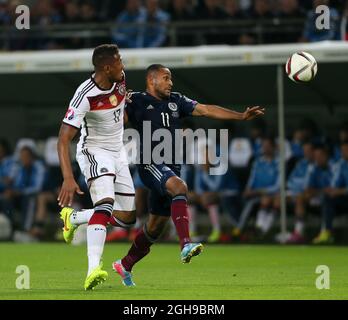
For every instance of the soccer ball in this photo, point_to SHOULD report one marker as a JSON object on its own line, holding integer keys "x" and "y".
{"x": 301, "y": 67}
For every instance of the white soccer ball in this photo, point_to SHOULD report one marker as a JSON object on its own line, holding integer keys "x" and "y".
{"x": 301, "y": 67}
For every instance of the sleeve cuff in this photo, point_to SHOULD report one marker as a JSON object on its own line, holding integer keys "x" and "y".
{"x": 71, "y": 125}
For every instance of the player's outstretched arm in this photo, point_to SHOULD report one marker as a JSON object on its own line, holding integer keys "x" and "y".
{"x": 217, "y": 112}
{"x": 69, "y": 186}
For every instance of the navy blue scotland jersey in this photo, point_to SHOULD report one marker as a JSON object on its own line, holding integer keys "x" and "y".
{"x": 161, "y": 114}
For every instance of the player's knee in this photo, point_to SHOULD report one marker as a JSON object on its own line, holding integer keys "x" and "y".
{"x": 176, "y": 186}
{"x": 154, "y": 231}
{"x": 180, "y": 188}
{"x": 155, "y": 228}
{"x": 124, "y": 219}
{"x": 105, "y": 200}
{"x": 102, "y": 212}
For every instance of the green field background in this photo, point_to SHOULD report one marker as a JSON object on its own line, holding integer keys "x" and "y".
{"x": 57, "y": 271}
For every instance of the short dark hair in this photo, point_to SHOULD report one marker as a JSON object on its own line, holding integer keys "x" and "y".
{"x": 154, "y": 68}
{"x": 103, "y": 54}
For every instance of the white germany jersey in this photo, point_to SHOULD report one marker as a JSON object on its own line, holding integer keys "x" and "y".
{"x": 99, "y": 114}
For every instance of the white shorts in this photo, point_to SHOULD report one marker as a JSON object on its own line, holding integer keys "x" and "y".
{"x": 107, "y": 176}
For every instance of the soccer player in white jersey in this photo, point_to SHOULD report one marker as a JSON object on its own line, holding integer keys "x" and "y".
{"x": 97, "y": 109}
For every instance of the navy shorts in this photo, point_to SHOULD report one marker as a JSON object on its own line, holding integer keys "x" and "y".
{"x": 154, "y": 177}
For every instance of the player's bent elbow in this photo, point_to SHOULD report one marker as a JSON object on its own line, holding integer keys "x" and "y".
{"x": 201, "y": 110}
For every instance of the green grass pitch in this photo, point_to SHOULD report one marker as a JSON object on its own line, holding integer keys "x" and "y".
{"x": 57, "y": 271}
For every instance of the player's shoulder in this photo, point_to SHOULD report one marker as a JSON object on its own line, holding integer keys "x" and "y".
{"x": 137, "y": 101}
{"x": 138, "y": 95}
{"x": 141, "y": 99}
{"x": 85, "y": 89}
{"x": 85, "y": 85}
{"x": 181, "y": 98}
{"x": 176, "y": 95}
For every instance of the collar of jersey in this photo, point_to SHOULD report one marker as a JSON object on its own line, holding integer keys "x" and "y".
{"x": 101, "y": 89}
{"x": 159, "y": 100}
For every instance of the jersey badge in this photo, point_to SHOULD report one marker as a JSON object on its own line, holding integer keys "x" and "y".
{"x": 172, "y": 106}
{"x": 113, "y": 100}
{"x": 122, "y": 89}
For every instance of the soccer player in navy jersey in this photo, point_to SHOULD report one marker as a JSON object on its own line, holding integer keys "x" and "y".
{"x": 164, "y": 109}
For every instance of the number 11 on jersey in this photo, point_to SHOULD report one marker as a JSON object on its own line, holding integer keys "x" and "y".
{"x": 165, "y": 119}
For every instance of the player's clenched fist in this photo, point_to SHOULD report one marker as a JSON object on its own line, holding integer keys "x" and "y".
{"x": 66, "y": 194}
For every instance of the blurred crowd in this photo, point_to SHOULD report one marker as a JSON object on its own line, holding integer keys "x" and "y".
{"x": 243, "y": 201}
{"x": 139, "y": 24}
